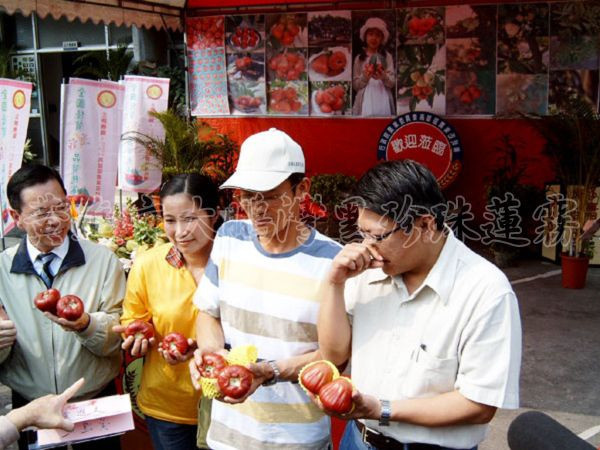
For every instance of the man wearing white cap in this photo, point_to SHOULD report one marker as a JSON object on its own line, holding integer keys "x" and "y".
{"x": 262, "y": 286}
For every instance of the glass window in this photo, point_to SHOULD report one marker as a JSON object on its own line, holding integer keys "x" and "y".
{"x": 119, "y": 35}
{"x": 19, "y": 31}
{"x": 53, "y": 32}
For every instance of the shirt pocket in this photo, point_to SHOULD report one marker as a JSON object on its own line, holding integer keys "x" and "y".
{"x": 429, "y": 375}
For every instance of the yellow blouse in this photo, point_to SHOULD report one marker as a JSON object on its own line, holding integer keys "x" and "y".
{"x": 160, "y": 292}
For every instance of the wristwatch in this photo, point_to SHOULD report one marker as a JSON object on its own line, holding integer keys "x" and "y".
{"x": 386, "y": 413}
{"x": 276, "y": 374}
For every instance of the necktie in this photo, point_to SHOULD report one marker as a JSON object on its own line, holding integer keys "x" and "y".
{"x": 46, "y": 274}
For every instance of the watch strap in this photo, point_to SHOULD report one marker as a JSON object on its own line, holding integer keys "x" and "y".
{"x": 386, "y": 413}
{"x": 276, "y": 374}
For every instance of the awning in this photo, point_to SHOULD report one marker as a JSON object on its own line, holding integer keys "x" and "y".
{"x": 148, "y": 13}
{"x": 234, "y": 3}
{"x": 208, "y": 4}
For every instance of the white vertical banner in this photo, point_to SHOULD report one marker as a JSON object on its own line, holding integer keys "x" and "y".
{"x": 90, "y": 133}
{"x": 15, "y": 103}
{"x": 139, "y": 171}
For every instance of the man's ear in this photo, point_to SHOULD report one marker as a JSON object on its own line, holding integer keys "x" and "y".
{"x": 303, "y": 187}
{"x": 428, "y": 226}
{"x": 16, "y": 216}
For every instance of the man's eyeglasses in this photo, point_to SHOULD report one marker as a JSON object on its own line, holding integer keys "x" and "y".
{"x": 255, "y": 198}
{"x": 60, "y": 211}
{"x": 251, "y": 200}
{"x": 379, "y": 237}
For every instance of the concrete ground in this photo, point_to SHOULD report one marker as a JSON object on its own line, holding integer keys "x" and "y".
{"x": 561, "y": 352}
{"x": 561, "y": 355}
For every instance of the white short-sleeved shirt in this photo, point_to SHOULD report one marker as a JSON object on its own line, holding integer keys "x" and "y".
{"x": 460, "y": 330}
{"x": 271, "y": 301}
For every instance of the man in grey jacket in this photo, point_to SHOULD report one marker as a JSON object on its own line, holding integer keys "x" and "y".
{"x": 41, "y": 353}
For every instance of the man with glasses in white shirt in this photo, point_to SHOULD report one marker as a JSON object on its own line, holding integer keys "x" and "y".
{"x": 433, "y": 329}
{"x": 41, "y": 353}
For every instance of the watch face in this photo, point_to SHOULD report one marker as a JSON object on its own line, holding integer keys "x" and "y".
{"x": 386, "y": 413}
{"x": 276, "y": 374}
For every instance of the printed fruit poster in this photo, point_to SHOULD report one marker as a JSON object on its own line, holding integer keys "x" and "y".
{"x": 286, "y": 54}
{"x": 330, "y": 63}
{"x": 456, "y": 60}
{"x": 522, "y": 53}
{"x": 373, "y": 63}
{"x": 574, "y": 56}
{"x": 470, "y": 59}
{"x": 206, "y": 66}
{"x": 245, "y": 36}
{"x": 421, "y": 61}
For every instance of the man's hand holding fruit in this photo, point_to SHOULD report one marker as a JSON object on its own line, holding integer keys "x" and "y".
{"x": 336, "y": 395}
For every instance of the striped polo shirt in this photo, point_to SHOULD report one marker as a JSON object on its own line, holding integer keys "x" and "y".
{"x": 270, "y": 300}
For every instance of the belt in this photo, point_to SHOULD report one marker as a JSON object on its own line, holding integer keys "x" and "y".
{"x": 383, "y": 442}
{"x": 378, "y": 440}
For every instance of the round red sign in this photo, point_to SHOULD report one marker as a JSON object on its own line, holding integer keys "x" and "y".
{"x": 427, "y": 139}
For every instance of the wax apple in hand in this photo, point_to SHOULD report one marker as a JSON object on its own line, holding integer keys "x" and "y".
{"x": 317, "y": 374}
{"x": 212, "y": 364}
{"x": 235, "y": 381}
{"x": 139, "y": 329}
{"x": 69, "y": 307}
{"x": 47, "y": 300}
{"x": 336, "y": 396}
{"x": 175, "y": 342}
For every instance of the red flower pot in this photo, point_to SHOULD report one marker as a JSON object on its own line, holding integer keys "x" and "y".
{"x": 574, "y": 271}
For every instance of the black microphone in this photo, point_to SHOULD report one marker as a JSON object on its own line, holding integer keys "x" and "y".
{"x": 534, "y": 430}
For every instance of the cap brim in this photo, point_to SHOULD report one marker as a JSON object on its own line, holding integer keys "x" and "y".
{"x": 258, "y": 181}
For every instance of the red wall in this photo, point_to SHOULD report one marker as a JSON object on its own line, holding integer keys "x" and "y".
{"x": 350, "y": 146}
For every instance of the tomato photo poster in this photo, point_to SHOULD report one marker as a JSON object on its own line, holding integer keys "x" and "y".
{"x": 245, "y": 39}
{"x": 574, "y": 57}
{"x": 207, "y": 65}
{"x": 286, "y": 64}
{"x": 522, "y": 53}
{"x": 421, "y": 60}
{"x": 470, "y": 60}
{"x": 330, "y": 62}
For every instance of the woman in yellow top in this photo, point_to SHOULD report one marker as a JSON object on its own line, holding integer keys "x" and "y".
{"x": 160, "y": 288}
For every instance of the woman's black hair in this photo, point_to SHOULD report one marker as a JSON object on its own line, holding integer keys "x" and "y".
{"x": 402, "y": 190}
{"x": 202, "y": 189}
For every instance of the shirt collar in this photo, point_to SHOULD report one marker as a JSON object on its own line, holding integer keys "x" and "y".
{"x": 175, "y": 258}
{"x": 60, "y": 251}
{"x": 440, "y": 277}
{"x": 74, "y": 256}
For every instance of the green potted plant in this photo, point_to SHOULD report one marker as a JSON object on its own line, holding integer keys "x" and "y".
{"x": 509, "y": 177}
{"x": 188, "y": 146}
{"x": 330, "y": 190}
{"x": 573, "y": 145}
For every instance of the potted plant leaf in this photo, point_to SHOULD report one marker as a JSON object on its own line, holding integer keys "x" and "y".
{"x": 507, "y": 182}
{"x": 573, "y": 145}
{"x": 328, "y": 193}
{"x": 188, "y": 146}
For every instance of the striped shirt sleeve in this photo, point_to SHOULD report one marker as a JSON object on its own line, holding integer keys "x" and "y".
{"x": 206, "y": 297}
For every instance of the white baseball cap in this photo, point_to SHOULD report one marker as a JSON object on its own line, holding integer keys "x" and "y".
{"x": 266, "y": 160}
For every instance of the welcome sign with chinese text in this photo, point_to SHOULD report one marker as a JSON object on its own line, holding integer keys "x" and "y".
{"x": 427, "y": 139}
